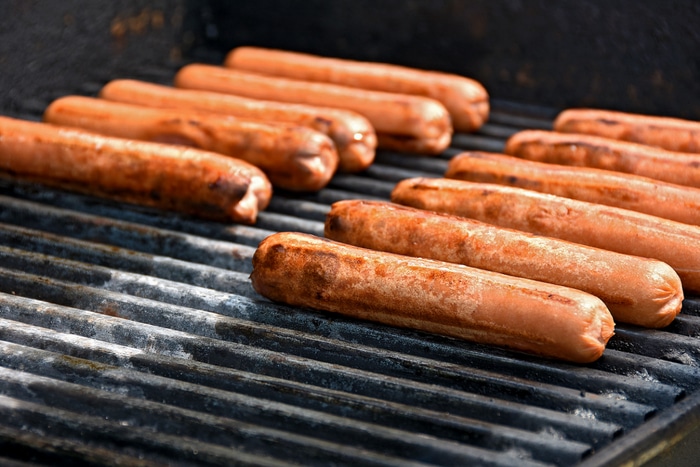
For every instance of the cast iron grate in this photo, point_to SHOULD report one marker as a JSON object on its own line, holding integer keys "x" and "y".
{"x": 133, "y": 336}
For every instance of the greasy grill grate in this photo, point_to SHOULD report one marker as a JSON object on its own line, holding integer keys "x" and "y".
{"x": 133, "y": 336}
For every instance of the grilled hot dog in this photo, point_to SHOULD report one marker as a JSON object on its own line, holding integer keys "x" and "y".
{"x": 293, "y": 157}
{"x": 434, "y": 296}
{"x": 395, "y": 114}
{"x": 667, "y": 200}
{"x": 196, "y": 182}
{"x": 604, "y": 153}
{"x": 592, "y": 224}
{"x": 674, "y": 134}
{"x": 352, "y": 134}
{"x": 430, "y": 146}
{"x": 465, "y": 98}
{"x": 636, "y": 290}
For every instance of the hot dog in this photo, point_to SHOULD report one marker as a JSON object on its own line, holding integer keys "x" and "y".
{"x": 636, "y": 290}
{"x": 667, "y": 200}
{"x": 293, "y": 157}
{"x": 395, "y": 114}
{"x": 429, "y": 146}
{"x": 465, "y": 98}
{"x": 674, "y": 134}
{"x": 596, "y": 225}
{"x": 604, "y": 153}
{"x": 353, "y": 135}
{"x": 433, "y": 296}
{"x": 196, "y": 182}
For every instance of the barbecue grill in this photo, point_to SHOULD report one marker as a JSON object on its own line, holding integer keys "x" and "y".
{"x": 132, "y": 336}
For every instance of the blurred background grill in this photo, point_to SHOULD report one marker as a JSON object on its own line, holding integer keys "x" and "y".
{"x": 132, "y": 336}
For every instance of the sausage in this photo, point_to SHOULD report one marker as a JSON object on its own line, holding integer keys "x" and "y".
{"x": 592, "y": 224}
{"x": 673, "y": 134}
{"x": 353, "y": 135}
{"x": 192, "y": 181}
{"x": 293, "y": 157}
{"x": 603, "y": 153}
{"x": 640, "y": 291}
{"x": 395, "y": 114}
{"x": 425, "y": 146}
{"x": 466, "y": 99}
{"x": 433, "y": 296}
{"x": 667, "y": 200}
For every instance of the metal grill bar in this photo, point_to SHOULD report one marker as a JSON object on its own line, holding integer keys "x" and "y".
{"x": 122, "y": 259}
{"x": 300, "y": 395}
{"x": 128, "y": 235}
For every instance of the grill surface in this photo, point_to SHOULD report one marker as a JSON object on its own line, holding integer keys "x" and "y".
{"x": 133, "y": 336}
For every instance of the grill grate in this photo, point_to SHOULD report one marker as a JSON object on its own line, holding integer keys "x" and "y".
{"x": 134, "y": 336}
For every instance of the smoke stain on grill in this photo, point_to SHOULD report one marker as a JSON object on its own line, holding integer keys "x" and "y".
{"x": 71, "y": 364}
{"x": 248, "y": 335}
{"x": 109, "y": 309}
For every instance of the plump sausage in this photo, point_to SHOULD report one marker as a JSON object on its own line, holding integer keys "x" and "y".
{"x": 674, "y": 134}
{"x": 166, "y": 176}
{"x": 352, "y": 134}
{"x": 293, "y": 157}
{"x": 395, "y": 114}
{"x": 426, "y": 146}
{"x": 465, "y": 98}
{"x": 434, "y": 296}
{"x": 604, "y": 153}
{"x": 676, "y": 202}
{"x": 640, "y": 291}
{"x": 592, "y": 224}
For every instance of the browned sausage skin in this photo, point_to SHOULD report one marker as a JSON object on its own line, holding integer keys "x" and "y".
{"x": 425, "y": 146}
{"x": 352, "y": 134}
{"x": 465, "y": 98}
{"x": 628, "y": 191}
{"x": 674, "y": 134}
{"x": 189, "y": 180}
{"x": 293, "y": 157}
{"x": 434, "y": 296}
{"x": 636, "y": 290}
{"x": 592, "y": 224}
{"x": 605, "y": 153}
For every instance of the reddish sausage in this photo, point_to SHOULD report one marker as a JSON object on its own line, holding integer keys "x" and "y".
{"x": 352, "y": 134}
{"x": 433, "y": 296}
{"x": 465, "y": 98}
{"x": 395, "y": 114}
{"x": 636, "y": 290}
{"x": 293, "y": 157}
{"x": 196, "y": 182}
{"x": 674, "y": 134}
{"x": 592, "y": 224}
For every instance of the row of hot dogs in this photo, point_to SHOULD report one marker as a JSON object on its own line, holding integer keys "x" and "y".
{"x": 592, "y": 230}
{"x": 247, "y": 130}
{"x": 541, "y": 249}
